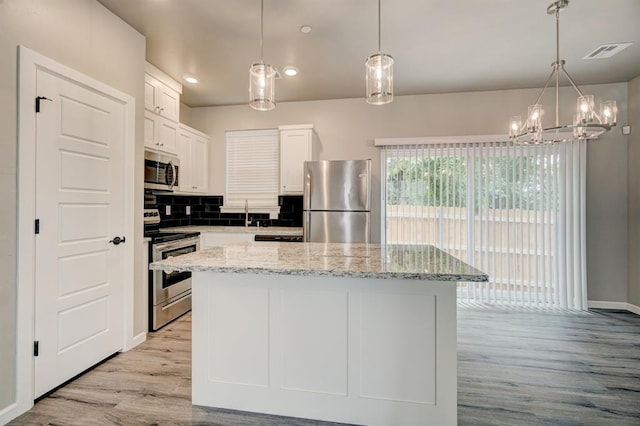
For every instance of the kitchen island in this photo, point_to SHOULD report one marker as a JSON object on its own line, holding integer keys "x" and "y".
{"x": 356, "y": 333}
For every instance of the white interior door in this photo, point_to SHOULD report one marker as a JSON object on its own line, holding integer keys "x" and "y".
{"x": 79, "y": 274}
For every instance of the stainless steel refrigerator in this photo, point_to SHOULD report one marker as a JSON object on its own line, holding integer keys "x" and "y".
{"x": 336, "y": 204}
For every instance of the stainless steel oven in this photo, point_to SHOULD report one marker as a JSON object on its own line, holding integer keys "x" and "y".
{"x": 170, "y": 294}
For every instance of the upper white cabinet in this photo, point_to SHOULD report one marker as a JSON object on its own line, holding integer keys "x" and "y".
{"x": 162, "y": 104}
{"x": 161, "y": 93}
{"x": 297, "y": 144}
{"x": 193, "y": 147}
{"x": 160, "y": 134}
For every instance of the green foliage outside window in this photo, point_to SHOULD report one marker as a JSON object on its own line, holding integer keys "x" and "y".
{"x": 499, "y": 182}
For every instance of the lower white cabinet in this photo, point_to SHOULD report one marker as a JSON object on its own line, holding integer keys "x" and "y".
{"x": 193, "y": 147}
{"x": 216, "y": 239}
{"x": 159, "y": 133}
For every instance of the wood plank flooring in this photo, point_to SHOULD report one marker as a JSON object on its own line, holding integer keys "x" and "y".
{"x": 515, "y": 367}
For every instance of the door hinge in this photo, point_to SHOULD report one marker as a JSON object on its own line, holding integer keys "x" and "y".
{"x": 38, "y": 99}
{"x": 36, "y": 345}
{"x": 37, "y": 226}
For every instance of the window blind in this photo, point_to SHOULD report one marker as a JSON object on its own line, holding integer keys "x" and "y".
{"x": 253, "y": 168}
{"x": 514, "y": 212}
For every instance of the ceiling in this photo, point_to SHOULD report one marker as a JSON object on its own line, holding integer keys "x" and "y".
{"x": 439, "y": 46}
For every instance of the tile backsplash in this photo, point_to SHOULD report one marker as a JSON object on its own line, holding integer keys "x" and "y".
{"x": 205, "y": 210}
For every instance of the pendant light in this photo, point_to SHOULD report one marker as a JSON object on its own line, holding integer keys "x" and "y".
{"x": 379, "y": 75}
{"x": 262, "y": 78}
{"x": 587, "y": 123}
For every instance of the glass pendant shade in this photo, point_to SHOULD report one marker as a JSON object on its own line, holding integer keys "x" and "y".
{"x": 585, "y": 109}
{"x": 579, "y": 132}
{"x": 515, "y": 126}
{"x": 608, "y": 112}
{"x": 262, "y": 78}
{"x": 535, "y": 118}
{"x": 379, "y": 76}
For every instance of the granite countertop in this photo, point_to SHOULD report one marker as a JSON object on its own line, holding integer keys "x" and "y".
{"x": 413, "y": 262}
{"x": 262, "y": 230}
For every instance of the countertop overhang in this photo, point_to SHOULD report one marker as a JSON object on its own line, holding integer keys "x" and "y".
{"x": 411, "y": 262}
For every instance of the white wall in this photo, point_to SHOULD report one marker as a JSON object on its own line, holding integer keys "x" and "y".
{"x": 347, "y": 127}
{"x": 83, "y": 35}
{"x": 634, "y": 192}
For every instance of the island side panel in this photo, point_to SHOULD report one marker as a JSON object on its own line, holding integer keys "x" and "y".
{"x": 356, "y": 350}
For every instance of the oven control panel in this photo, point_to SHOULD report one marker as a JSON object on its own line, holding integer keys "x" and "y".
{"x": 151, "y": 216}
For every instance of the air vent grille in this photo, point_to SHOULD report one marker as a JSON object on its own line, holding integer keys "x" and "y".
{"x": 606, "y": 50}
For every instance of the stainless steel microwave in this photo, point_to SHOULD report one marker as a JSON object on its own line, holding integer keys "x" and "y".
{"x": 161, "y": 171}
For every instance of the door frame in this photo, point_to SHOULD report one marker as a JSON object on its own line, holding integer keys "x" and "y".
{"x": 28, "y": 64}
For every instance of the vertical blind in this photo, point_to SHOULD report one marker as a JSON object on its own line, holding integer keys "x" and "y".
{"x": 253, "y": 168}
{"x": 514, "y": 212}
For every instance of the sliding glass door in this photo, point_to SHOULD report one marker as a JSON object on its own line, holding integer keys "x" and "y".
{"x": 511, "y": 211}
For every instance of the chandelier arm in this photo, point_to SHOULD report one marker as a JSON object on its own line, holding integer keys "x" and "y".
{"x": 546, "y": 84}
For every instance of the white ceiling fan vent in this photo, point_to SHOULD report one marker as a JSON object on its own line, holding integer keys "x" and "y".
{"x": 606, "y": 50}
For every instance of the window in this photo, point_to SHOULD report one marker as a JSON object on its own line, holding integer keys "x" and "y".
{"x": 514, "y": 212}
{"x": 252, "y": 175}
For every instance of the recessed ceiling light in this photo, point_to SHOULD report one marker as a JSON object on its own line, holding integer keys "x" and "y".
{"x": 190, "y": 79}
{"x": 290, "y": 71}
{"x": 306, "y": 29}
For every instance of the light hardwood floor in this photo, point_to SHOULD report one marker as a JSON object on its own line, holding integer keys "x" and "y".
{"x": 516, "y": 367}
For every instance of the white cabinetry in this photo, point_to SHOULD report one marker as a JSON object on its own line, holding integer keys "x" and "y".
{"x": 159, "y": 133}
{"x": 297, "y": 144}
{"x": 162, "y": 110}
{"x": 161, "y": 93}
{"x": 217, "y": 239}
{"x": 193, "y": 154}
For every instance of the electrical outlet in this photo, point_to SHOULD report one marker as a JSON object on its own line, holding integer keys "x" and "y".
{"x": 188, "y": 210}
{"x": 167, "y": 210}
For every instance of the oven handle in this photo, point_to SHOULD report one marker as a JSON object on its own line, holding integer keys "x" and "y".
{"x": 175, "y": 302}
{"x": 177, "y": 243}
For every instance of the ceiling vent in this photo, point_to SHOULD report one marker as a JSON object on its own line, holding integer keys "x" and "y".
{"x": 606, "y": 50}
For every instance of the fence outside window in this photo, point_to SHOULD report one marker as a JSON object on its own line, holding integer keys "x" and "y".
{"x": 500, "y": 208}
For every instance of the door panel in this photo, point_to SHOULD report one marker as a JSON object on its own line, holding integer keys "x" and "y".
{"x": 79, "y": 201}
{"x": 82, "y": 272}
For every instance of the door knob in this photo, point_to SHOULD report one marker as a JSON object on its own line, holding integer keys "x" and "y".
{"x": 117, "y": 240}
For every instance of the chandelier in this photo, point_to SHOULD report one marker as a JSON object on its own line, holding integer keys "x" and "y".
{"x": 587, "y": 123}
{"x": 379, "y": 75}
{"x": 262, "y": 78}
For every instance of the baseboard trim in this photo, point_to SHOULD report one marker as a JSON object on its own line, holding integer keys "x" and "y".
{"x": 9, "y": 413}
{"x": 135, "y": 341}
{"x": 614, "y": 305}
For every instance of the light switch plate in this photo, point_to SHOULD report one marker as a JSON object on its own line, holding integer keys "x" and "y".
{"x": 626, "y": 130}
{"x": 188, "y": 210}
{"x": 167, "y": 210}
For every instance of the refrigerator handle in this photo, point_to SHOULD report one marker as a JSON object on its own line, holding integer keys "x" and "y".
{"x": 307, "y": 191}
